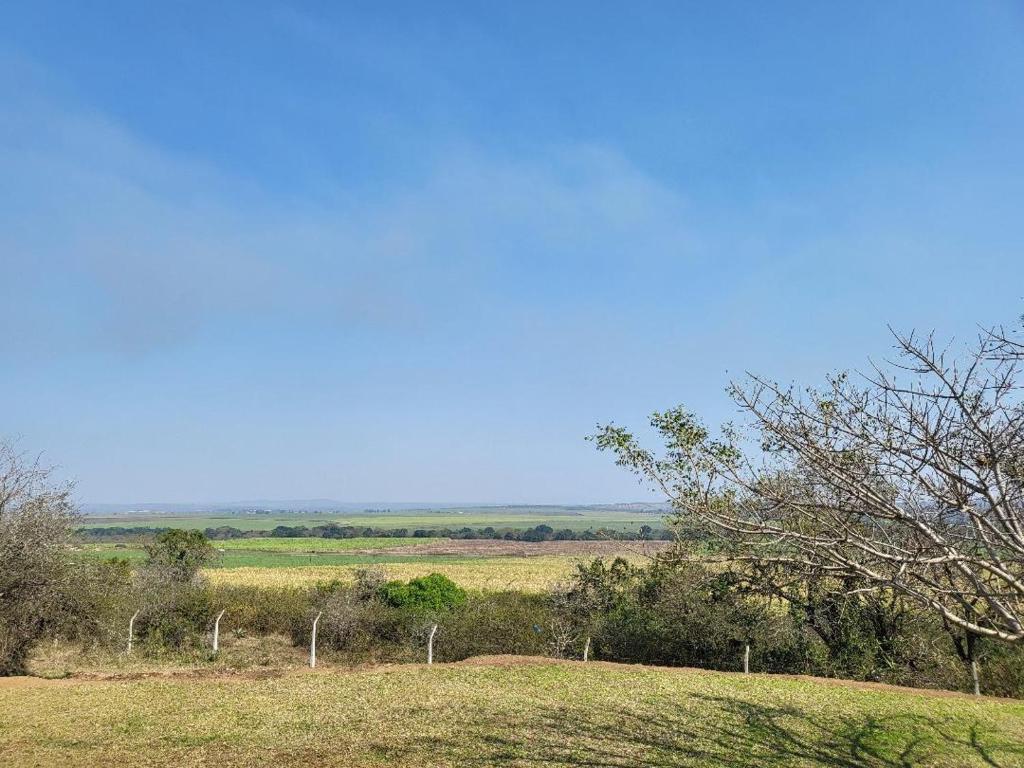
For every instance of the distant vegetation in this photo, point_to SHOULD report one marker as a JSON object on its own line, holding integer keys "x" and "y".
{"x": 541, "y": 532}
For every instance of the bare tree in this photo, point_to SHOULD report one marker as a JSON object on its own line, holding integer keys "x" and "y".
{"x": 36, "y": 515}
{"x": 909, "y": 478}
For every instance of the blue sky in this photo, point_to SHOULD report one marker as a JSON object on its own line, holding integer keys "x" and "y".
{"x": 416, "y": 251}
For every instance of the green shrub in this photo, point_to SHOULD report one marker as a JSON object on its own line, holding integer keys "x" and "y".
{"x": 494, "y": 623}
{"x": 175, "y": 616}
{"x": 261, "y": 611}
{"x": 432, "y": 593}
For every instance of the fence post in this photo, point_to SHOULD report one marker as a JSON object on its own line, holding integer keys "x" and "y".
{"x": 216, "y": 631}
{"x": 430, "y": 645}
{"x": 312, "y": 643}
{"x": 131, "y": 629}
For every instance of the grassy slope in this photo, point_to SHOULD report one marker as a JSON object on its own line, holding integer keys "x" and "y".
{"x": 531, "y": 714}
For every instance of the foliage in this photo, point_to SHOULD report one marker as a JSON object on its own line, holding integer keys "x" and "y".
{"x": 97, "y": 603}
{"x": 178, "y": 554}
{"x": 494, "y": 623}
{"x": 174, "y": 602}
{"x": 908, "y": 483}
{"x": 433, "y": 593}
{"x": 335, "y": 532}
{"x": 36, "y": 517}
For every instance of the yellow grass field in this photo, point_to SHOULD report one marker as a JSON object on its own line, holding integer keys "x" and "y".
{"x": 528, "y": 574}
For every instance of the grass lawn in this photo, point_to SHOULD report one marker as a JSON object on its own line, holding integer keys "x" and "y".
{"x": 500, "y": 713}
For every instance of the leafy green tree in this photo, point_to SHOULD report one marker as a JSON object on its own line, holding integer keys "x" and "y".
{"x": 173, "y": 598}
{"x": 179, "y": 554}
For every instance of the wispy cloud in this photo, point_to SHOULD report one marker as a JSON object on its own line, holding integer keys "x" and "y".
{"x": 116, "y": 244}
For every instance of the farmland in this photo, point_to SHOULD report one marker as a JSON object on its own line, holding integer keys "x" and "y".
{"x": 574, "y": 518}
{"x": 474, "y": 564}
{"x": 485, "y": 564}
{"x": 524, "y": 574}
{"x": 499, "y": 711}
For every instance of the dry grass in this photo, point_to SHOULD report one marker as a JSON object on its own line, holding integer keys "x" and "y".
{"x": 514, "y": 714}
{"x": 526, "y": 574}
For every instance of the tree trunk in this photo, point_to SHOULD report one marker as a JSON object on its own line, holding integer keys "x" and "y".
{"x": 746, "y": 658}
{"x": 975, "y": 679}
{"x": 586, "y": 650}
{"x": 430, "y": 645}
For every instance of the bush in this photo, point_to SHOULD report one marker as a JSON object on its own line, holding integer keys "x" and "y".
{"x": 261, "y": 611}
{"x": 175, "y": 615}
{"x": 179, "y": 554}
{"x": 98, "y": 601}
{"x": 494, "y": 623}
{"x": 433, "y": 593}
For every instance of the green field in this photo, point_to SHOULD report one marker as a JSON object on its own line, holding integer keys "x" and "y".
{"x": 310, "y": 544}
{"x": 272, "y": 552}
{"x": 502, "y": 711}
{"x": 288, "y": 553}
{"x": 270, "y": 569}
{"x": 476, "y": 517}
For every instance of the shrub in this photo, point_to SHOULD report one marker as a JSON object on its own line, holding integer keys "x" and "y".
{"x": 433, "y": 593}
{"x": 494, "y": 623}
{"x": 98, "y": 601}
{"x": 179, "y": 554}
{"x": 262, "y": 611}
{"x": 174, "y": 615}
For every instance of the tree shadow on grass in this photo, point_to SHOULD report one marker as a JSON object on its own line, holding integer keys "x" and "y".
{"x": 722, "y": 731}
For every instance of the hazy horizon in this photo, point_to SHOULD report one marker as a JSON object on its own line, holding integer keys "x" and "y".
{"x": 96, "y": 507}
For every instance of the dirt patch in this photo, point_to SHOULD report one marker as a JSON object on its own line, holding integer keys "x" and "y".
{"x": 502, "y": 548}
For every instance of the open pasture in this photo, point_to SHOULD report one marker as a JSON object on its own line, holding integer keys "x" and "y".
{"x": 499, "y": 711}
{"x": 526, "y": 574}
{"x": 574, "y": 518}
{"x": 482, "y": 564}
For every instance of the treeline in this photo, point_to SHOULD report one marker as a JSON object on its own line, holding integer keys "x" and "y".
{"x": 334, "y": 531}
